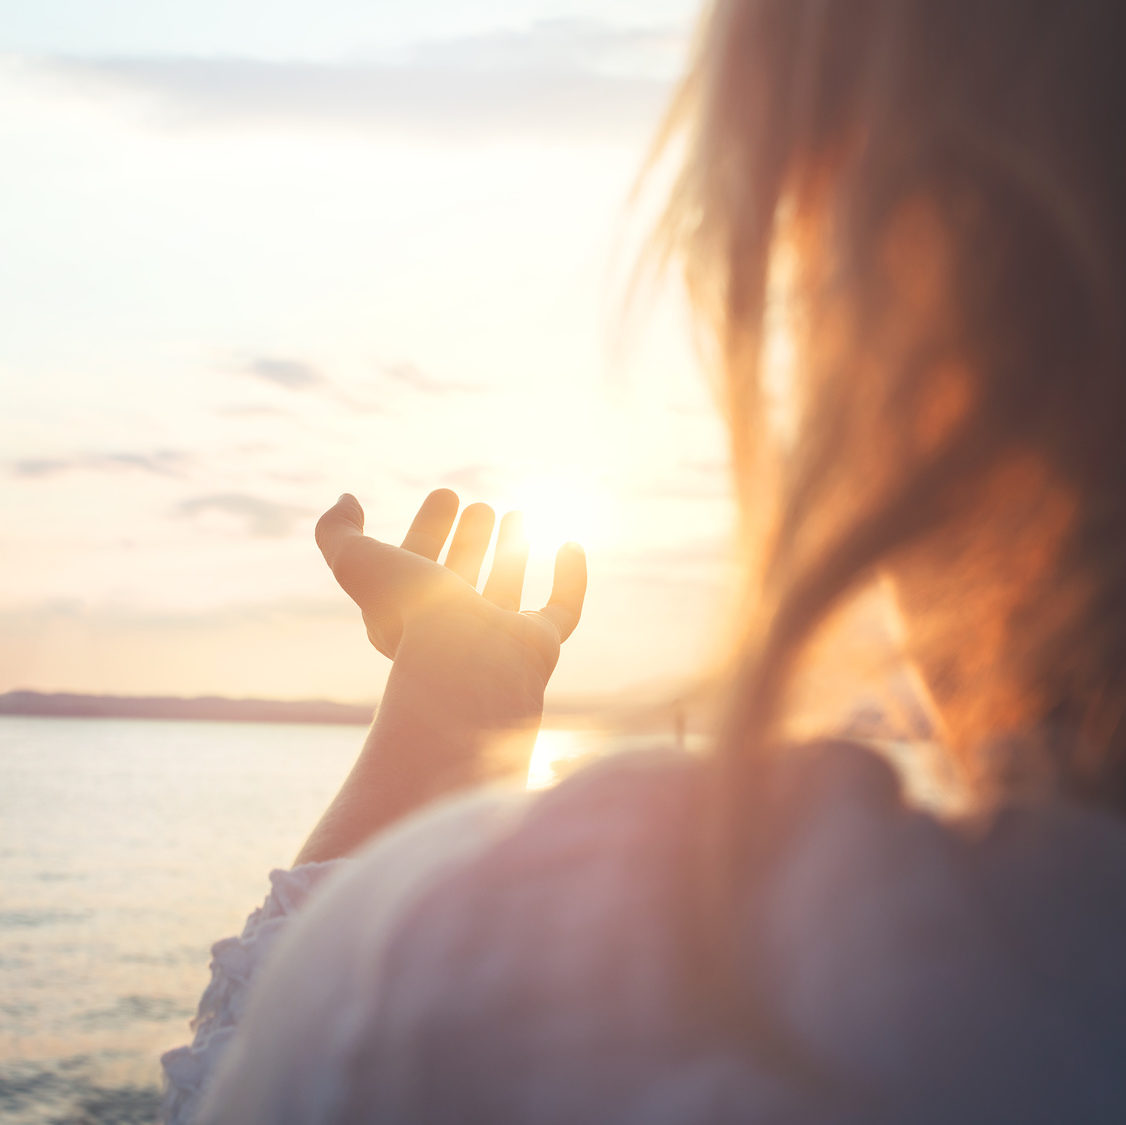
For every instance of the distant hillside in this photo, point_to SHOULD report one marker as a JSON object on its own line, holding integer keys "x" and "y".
{"x": 214, "y": 708}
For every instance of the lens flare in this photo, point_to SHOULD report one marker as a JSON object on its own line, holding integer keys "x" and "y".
{"x": 563, "y": 506}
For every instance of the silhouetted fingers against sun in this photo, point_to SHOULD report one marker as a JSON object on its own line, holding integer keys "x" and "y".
{"x": 506, "y": 579}
{"x": 470, "y": 542}
{"x": 568, "y": 590}
{"x": 431, "y": 526}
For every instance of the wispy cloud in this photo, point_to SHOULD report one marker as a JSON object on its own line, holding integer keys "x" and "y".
{"x": 301, "y": 377}
{"x": 560, "y": 76}
{"x": 703, "y": 563}
{"x": 264, "y": 519}
{"x": 474, "y": 481}
{"x": 107, "y": 617}
{"x": 250, "y": 410}
{"x": 693, "y": 480}
{"x": 410, "y": 375}
{"x": 162, "y": 462}
{"x": 293, "y": 374}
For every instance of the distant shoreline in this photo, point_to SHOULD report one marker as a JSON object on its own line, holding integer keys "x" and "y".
{"x": 651, "y": 709}
{"x": 71, "y": 705}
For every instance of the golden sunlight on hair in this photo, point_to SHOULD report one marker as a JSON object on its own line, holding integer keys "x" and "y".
{"x": 998, "y": 567}
{"x": 780, "y": 352}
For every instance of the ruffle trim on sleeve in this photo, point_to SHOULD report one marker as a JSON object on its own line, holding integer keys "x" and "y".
{"x": 234, "y": 962}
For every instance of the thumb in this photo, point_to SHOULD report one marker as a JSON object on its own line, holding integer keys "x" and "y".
{"x": 341, "y": 524}
{"x": 384, "y": 581}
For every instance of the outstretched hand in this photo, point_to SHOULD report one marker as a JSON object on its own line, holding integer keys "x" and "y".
{"x": 415, "y": 608}
{"x": 469, "y": 669}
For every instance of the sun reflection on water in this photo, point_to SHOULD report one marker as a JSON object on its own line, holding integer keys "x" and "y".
{"x": 556, "y": 753}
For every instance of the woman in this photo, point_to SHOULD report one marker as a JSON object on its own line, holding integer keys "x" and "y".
{"x": 774, "y": 932}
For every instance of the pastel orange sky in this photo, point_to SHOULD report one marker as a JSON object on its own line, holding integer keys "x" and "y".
{"x": 250, "y": 263}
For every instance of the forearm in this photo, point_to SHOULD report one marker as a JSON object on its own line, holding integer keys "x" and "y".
{"x": 386, "y": 784}
{"x": 428, "y": 740}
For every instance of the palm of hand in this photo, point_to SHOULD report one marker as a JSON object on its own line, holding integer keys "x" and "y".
{"x": 403, "y": 592}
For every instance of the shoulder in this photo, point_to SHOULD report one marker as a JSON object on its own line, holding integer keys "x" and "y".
{"x": 555, "y": 957}
{"x": 969, "y": 965}
{"x": 616, "y": 838}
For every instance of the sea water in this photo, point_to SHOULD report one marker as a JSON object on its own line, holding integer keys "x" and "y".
{"x": 127, "y": 847}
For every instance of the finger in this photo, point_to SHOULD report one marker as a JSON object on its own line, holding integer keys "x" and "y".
{"x": 431, "y": 526}
{"x": 470, "y": 542}
{"x": 568, "y": 589}
{"x": 506, "y": 579}
{"x": 343, "y": 522}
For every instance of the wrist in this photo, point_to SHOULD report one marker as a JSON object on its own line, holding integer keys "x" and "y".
{"x": 427, "y": 751}
{"x": 455, "y": 679}
{"x": 416, "y": 752}
{"x": 461, "y": 707}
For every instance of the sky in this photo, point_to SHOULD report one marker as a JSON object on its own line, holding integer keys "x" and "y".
{"x": 257, "y": 254}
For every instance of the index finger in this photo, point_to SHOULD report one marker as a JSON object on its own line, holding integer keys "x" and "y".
{"x": 431, "y": 526}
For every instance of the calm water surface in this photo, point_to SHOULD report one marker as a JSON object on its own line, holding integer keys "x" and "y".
{"x": 126, "y": 848}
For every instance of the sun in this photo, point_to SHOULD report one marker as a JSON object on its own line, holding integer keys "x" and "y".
{"x": 563, "y": 505}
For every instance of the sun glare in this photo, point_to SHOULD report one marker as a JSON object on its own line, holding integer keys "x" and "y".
{"x": 780, "y": 355}
{"x": 563, "y": 506}
{"x": 556, "y": 752}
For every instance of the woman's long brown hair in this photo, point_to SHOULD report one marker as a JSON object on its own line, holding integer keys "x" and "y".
{"x": 949, "y": 179}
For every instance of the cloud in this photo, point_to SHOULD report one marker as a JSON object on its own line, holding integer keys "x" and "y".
{"x": 694, "y": 481}
{"x": 702, "y": 563}
{"x": 581, "y": 78}
{"x": 115, "y": 616}
{"x": 303, "y": 378}
{"x": 250, "y": 410}
{"x": 468, "y": 480}
{"x": 264, "y": 519}
{"x": 410, "y": 375}
{"x": 710, "y": 468}
{"x": 161, "y": 462}
{"x": 293, "y": 374}
{"x": 474, "y": 480}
